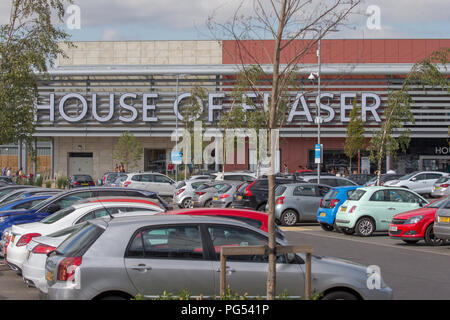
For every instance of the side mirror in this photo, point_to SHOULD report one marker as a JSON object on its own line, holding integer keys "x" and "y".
{"x": 413, "y": 179}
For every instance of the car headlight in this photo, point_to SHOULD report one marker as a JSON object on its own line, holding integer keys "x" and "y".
{"x": 414, "y": 220}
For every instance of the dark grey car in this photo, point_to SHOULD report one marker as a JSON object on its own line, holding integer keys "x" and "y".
{"x": 224, "y": 197}
{"x": 203, "y": 195}
{"x": 123, "y": 257}
{"x": 298, "y": 202}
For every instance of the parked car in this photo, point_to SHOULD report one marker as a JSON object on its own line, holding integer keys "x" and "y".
{"x": 254, "y": 195}
{"x": 421, "y": 182}
{"x": 383, "y": 178}
{"x": 330, "y": 204}
{"x": 441, "y": 226}
{"x": 118, "y": 182}
{"x": 80, "y": 180}
{"x": 66, "y": 199}
{"x": 330, "y": 180}
{"x": 25, "y": 203}
{"x": 6, "y": 180}
{"x": 110, "y": 178}
{"x": 76, "y": 213}
{"x": 441, "y": 187}
{"x": 370, "y": 209}
{"x": 415, "y": 225}
{"x": 25, "y": 193}
{"x": 298, "y": 202}
{"x": 202, "y": 177}
{"x": 184, "y": 192}
{"x": 10, "y": 188}
{"x": 203, "y": 195}
{"x": 360, "y": 178}
{"x": 175, "y": 253}
{"x": 224, "y": 197}
{"x": 235, "y": 176}
{"x": 151, "y": 181}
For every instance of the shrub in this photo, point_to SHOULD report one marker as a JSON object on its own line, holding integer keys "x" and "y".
{"x": 48, "y": 184}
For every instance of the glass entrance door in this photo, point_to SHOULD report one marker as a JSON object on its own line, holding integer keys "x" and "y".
{"x": 155, "y": 160}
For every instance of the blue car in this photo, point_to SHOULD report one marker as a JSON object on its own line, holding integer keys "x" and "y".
{"x": 66, "y": 199}
{"x": 24, "y": 203}
{"x": 329, "y": 206}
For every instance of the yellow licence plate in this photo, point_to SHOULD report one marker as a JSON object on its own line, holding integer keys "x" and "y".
{"x": 216, "y": 198}
{"x": 343, "y": 209}
{"x": 444, "y": 219}
{"x": 85, "y": 184}
{"x": 12, "y": 239}
{"x": 323, "y": 214}
{"x": 436, "y": 188}
{"x": 49, "y": 276}
{"x": 239, "y": 197}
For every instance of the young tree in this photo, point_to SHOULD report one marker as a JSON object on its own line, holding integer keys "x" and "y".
{"x": 355, "y": 140}
{"x": 28, "y": 44}
{"x": 392, "y": 135}
{"x": 128, "y": 150}
{"x": 280, "y": 23}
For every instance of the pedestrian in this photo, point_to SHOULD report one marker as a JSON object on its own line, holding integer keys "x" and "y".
{"x": 8, "y": 172}
{"x": 391, "y": 172}
{"x": 117, "y": 168}
{"x": 170, "y": 167}
{"x": 121, "y": 167}
{"x": 286, "y": 170}
{"x": 4, "y": 171}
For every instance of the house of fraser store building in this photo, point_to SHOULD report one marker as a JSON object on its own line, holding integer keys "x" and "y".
{"x": 106, "y": 88}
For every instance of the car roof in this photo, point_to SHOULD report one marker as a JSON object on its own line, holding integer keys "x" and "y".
{"x": 102, "y": 204}
{"x": 217, "y": 211}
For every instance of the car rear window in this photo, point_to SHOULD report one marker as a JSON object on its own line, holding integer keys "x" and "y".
{"x": 82, "y": 178}
{"x": 181, "y": 185}
{"x": 243, "y": 186}
{"x": 66, "y": 231}
{"x": 443, "y": 179}
{"x": 356, "y": 195}
{"x": 439, "y": 203}
{"x": 331, "y": 194}
{"x": 225, "y": 188}
{"x": 279, "y": 190}
{"x": 79, "y": 241}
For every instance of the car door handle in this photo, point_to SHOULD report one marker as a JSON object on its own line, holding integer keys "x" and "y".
{"x": 142, "y": 267}
{"x": 391, "y": 209}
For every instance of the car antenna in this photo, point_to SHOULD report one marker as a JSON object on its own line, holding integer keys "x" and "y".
{"x": 107, "y": 211}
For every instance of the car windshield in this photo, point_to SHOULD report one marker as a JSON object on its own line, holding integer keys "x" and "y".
{"x": 58, "y": 215}
{"x": 439, "y": 202}
{"x": 224, "y": 188}
{"x": 67, "y": 231}
{"x": 406, "y": 177}
{"x": 356, "y": 195}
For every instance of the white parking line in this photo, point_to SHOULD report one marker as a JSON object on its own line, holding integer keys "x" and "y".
{"x": 357, "y": 239}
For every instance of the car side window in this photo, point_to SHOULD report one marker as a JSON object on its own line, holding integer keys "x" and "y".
{"x": 238, "y": 237}
{"x": 25, "y": 205}
{"x": 308, "y": 191}
{"x": 396, "y": 196}
{"x": 433, "y": 176}
{"x": 378, "y": 196}
{"x": 408, "y": 196}
{"x": 420, "y": 177}
{"x": 169, "y": 242}
{"x": 147, "y": 178}
{"x": 136, "y": 177}
{"x": 162, "y": 179}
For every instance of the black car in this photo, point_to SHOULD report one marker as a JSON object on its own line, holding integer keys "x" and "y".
{"x": 254, "y": 194}
{"x": 80, "y": 180}
{"x": 360, "y": 178}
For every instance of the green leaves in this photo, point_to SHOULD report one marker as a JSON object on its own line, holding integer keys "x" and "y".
{"x": 355, "y": 139}
{"x": 128, "y": 150}
{"x": 29, "y": 43}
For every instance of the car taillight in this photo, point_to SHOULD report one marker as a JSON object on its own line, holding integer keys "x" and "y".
{"x": 43, "y": 249}
{"x": 223, "y": 196}
{"x": 180, "y": 191}
{"x": 26, "y": 238}
{"x": 200, "y": 193}
{"x": 334, "y": 202}
{"x": 91, "y": 183}
{"x": 247, "y": 191}
{"x": 444, "y": 185}
{"x": 126, "y": 183}
{"x": 352, "y": 209}
{"x": 321, "y": 203}
{"x": 76, "y": 183}
{"x": 280, "y": 200}
{"x": 67, "y": 268}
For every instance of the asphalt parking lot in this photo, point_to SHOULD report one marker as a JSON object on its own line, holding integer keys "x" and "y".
{"x": 412, "y": 271}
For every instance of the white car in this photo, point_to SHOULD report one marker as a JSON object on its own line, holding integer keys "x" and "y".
{"x": 151, "y": 181}
{"x": 33, "y": 267}
{"x": 22, "y": 234}
{"x": 236, "y": 176}
{"x": 421, "y": 182}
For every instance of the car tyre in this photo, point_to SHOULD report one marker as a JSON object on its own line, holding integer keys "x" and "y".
{"x": 347, "y": 231}
{"x": 186, "y": 203}
{"x": 327, "y": 227}
{"x": 208, "y": 204}
{"x": 365, "y": 227}
{"x": 289, "y": 218}
{"x": 261, "y": 208}
{"x": 430, "y": 239}
{"x": 340, "y": 295}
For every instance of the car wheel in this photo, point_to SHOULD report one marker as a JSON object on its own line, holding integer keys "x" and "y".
{"x": 340, "y": 295}
{"x": 336, "y": 228}
{"x": 327, "y": 227}
{"x": 347, "y": 231}
{"x": 113, "y": 298}
{"x": 261, "y": 208}
{"x": 208, "y": 204}
{"x": 289, "y": 218}
{"x": 365, "y": 227}
{"x": 410, "y": 241}
{"x": 186, "y": 203}
{"x": 430, "y": 238}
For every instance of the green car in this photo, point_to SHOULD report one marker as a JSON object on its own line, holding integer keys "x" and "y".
{"x": 370, "y": 209}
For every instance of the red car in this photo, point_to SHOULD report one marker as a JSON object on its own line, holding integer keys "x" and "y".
{"x": 415, "y": 225}
{"x": 256, "y": 219}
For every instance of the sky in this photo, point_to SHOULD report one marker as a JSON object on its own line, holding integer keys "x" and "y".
{"x": 115, "y": 20}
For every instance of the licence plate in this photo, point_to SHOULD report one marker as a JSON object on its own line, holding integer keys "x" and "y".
{"x": 393, "y": 228}
{"x": 216, "y": 198}
{"x": 323, "y": 214}
{"x": 49, "y": 276}
{"x": 239, "y": 197}
{"x": 85, "y": 184}
{"x": 12, "y": 239}
{"x": 343, "y": 209}
{"x": 444, "y": 219}
{"x": 436, "y": 188}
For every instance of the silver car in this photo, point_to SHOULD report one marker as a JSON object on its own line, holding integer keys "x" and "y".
{"x": 224, "y": 197}
{"x": 204, "y": 194}
{"x": 184, "y": 192}
{"x": 298, "y": 202}
{"x": 441, "y": 187}
{"x": 441, "y": 227}
{"x": 330, "y": 180}
{"x": 123, "y": 257}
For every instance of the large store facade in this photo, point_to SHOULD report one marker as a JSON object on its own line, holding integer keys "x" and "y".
{"x": 106, "y": 88}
